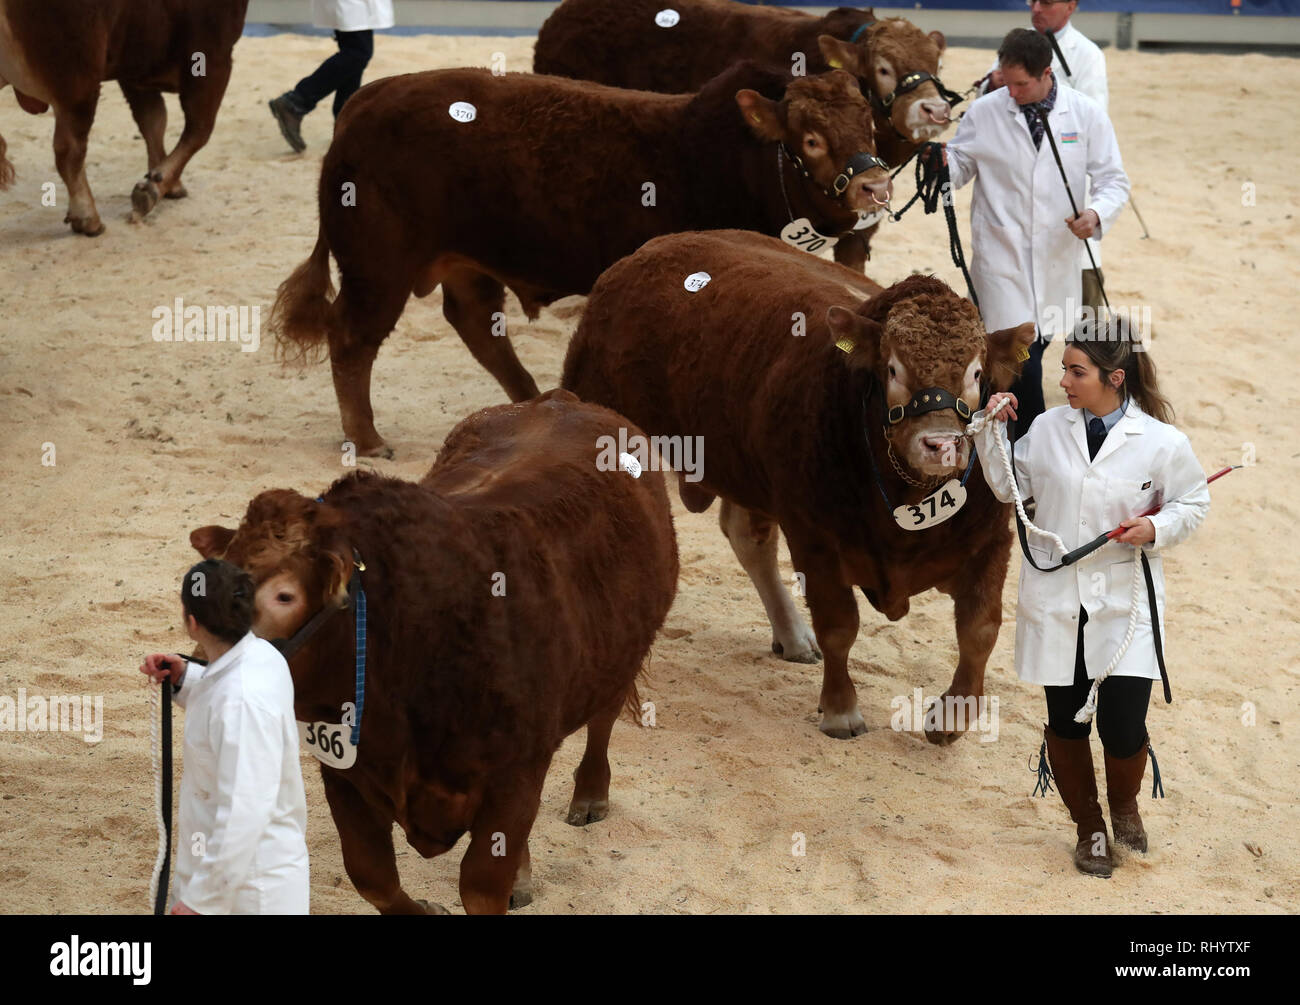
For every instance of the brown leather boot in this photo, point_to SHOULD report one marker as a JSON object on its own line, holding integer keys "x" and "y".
{"x": 1071, "y": 763}
{"x": 1123, "y": 782}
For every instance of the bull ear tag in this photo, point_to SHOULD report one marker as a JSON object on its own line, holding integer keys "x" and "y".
{"x": 1022, "y": 354}
{"x": 941, "y": 504}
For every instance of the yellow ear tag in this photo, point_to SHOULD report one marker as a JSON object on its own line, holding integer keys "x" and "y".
{"x": 844, "y": 345}
{"x": 1022, "y": 354}
{"x": 756, "y": 118}
{"x": 836, "y": 64}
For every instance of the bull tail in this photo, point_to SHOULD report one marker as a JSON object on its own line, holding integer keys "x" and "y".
{"x": 303, "y": 315}
{"x": 6, "y": 167}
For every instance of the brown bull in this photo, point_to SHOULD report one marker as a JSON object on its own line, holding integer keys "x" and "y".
{"x": 822, "y": 442}
{"x": 481, "y": 183}
{"x": 58, "y": 52}
{"x": 511, "y": 598}
{"x": 623, "y": 44}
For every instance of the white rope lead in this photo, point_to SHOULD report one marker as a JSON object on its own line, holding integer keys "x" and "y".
{"x": 157, "y": 795}
{"x": 1089, "y": 708}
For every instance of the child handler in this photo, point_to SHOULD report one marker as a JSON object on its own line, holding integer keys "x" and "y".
{"x": 1093, "y": 465}
{"x": 242, "y": 846}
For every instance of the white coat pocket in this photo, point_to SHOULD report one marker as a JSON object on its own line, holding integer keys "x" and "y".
{"x": 1128, "y": 497}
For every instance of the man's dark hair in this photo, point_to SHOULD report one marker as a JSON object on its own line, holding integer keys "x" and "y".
{"x": 1026, "y": 48}
{"x": 220, "y": 596}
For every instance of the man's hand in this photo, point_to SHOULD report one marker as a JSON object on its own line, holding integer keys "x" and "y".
{"x": 1085, "y": 224}
{"x": 161, "y": 666}
{"x": 179, "y": 908}
{"x": 1140, "y": 530}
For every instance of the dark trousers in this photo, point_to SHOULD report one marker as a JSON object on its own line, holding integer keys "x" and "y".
{"x": 340, "y": 74}
{"x": 1028, "y": 388}
{"x": 1121, "y": 707}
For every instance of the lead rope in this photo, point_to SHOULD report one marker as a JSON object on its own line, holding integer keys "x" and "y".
{"x": 164, "y": 838}
{"x": 1089, "y": 708}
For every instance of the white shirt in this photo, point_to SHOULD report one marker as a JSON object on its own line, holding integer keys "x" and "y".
{"x": 352, "y": 15}
{"x": 1142, "y": 462}
{"x": 1024, "y": 259}
{"x": 242, "y": 825}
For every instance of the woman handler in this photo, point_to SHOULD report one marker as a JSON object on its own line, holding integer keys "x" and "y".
{"x": 1092, "y": 465}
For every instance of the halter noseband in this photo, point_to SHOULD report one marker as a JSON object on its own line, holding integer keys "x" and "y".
{"x": 857, "y": 164}
{"x": 929, "y": 399}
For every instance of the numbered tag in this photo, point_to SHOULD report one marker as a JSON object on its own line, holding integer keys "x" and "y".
{"x": 329, "y": 742}
{"x": 463, "y": 111}
{"x": 870, "y": 220}
{"x": 934, "y": 509}
{"x": 802, "y": 234}
{"x": 696, "y": 281}
{"x": 667, "y": 18}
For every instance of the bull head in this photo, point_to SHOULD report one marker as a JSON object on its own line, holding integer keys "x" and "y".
{"x": 898, "y": 66}
{"x": 296, "y": 552}
{"x": 825, "y": 124}
{"x": 927, "y": 348}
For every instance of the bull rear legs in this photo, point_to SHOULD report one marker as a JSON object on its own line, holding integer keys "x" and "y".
{"x": 200, "y": 100}
{"x": 753, "y": 538}
{"x": 71, "y": 130}
{"x": 367, "y": 839}
{"x": 591, "y": 777}
{"x": 474, "y": 304}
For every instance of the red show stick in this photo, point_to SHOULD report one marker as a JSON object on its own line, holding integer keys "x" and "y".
{"x": 1087, "y": 549}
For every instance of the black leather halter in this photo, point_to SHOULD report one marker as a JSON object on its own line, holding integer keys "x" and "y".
{"x": 929, "y": 399}
{"x": 857, "y": 164}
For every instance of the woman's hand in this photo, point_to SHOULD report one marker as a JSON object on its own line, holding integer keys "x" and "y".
{"x": 1139, "y": 531}
{"x": 161, "y": 666}
{"x": 1007, "y": 413}
{"x": 179, "y": 908}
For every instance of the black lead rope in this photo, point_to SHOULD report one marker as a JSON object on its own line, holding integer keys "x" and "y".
{"x": 168, "y": 691}
{"x": 933, "y": 181}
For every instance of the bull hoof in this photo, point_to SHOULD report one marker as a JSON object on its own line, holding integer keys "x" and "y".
{"x": 91, "y": 226}
{"x": 520, "y": 896}
{"x": 144, "y": 196}
{"x": 431, "y": 908}
{"x": 587, "y": 811}
{"x": 940, "y": 738}
{"x": 809, "y": 655}
{"x": 378, "y": 449}
{"x": 177, "y": 191}
{"x": 844, "y": 725}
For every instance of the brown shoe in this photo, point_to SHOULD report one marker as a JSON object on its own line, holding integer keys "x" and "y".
{"x": 1071, "y": 764}
{"x": 1123, "y": 782}
{"x": 289, "y": 115}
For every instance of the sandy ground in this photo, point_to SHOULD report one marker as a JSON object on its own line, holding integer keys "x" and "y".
{"x": 151, "y": 440}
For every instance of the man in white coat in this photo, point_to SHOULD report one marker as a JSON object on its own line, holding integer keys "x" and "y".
{"x": 241, "y": 829}
{"x": 1025, "y": 240}
{"x": 1084, "y": 70}
{"x": 354, "y": 23}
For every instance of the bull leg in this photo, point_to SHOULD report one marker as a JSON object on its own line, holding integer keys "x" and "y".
{"x": 835, "y": 620}
{"x": 851, "y": 251}
{"x": 367, "y": 308}
{"x": 367, "y": 839}
{"x": 469, "y": 299}
{"x": 521, "y": 893}
{"x": 150, "y": 114}
{"x": 591, "y": 777}
{"x": 977, "y": 611}
{"x": 499, "y": 840}
{"x": 200, "y": 101}
{"x": 753, "y": 538}
{"x": 71, "y": 130}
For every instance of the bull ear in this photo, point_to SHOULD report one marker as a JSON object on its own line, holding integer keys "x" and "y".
{"x": 840, "y": 55}
{"x": 857, "y": 337}
{"x": 1007, "y": 351}
{"x": 762, "y": 115}
{"x": 211, "y": 542}
{"x": 937, "y": 38}
{"x": 335, "y": 553}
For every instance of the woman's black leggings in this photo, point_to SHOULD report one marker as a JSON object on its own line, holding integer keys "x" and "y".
{"x": 1121, "y": 707}
{"x": 341, "y": 73}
